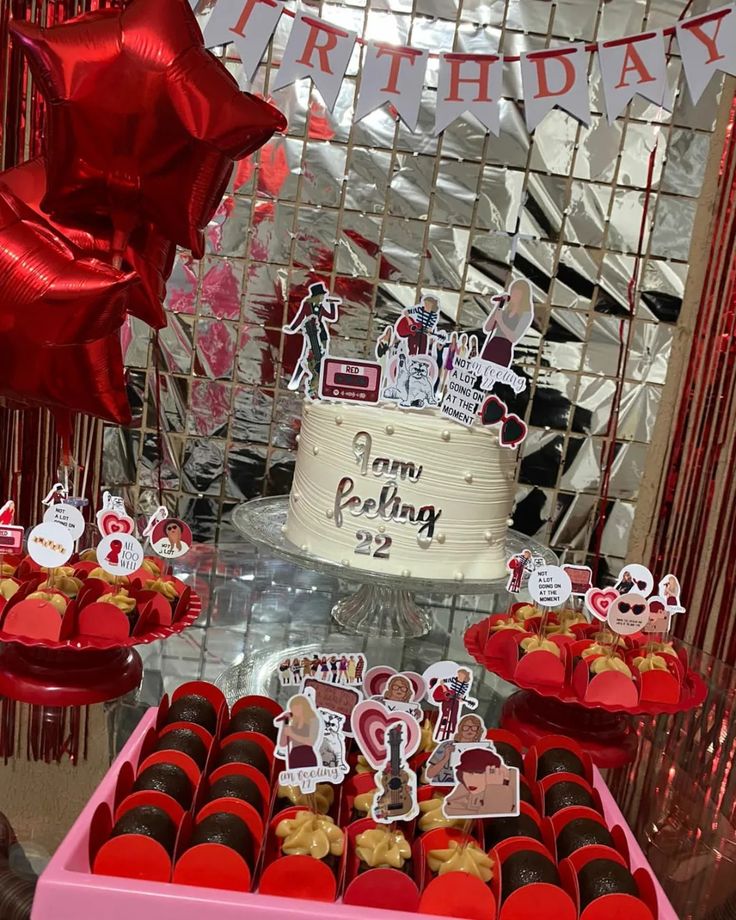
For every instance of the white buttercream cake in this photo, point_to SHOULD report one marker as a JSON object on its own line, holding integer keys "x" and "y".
{"x": 400, "y": 491}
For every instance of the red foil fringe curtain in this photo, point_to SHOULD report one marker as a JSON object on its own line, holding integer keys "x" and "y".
{"x": 695, "y": 534}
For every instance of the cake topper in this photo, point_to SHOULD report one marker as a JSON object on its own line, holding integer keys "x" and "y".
{"x": 346, "y": 668}
{"x": 50, "y": 545}
{"x": 316, "y": 311}
{"x": 312, "y": 744}
{"x": 57, "y": 493}
{"x": 521, "y": 564}
{"x": 484, "y": 786}
{"x": 448, "y": 688}
{"x": 334, "y": 698}
{"x": 397, "y": 691}
{"x": 511, "y": 316}
{"x": 513, "y": 430}
{"x": 349, "y": 380}
{"x": 7, "y": 512}
{"x": 549, "y": 586}
{"x": 119, "y": 553}
{"x": 67, "y": 516}
{"x": 171, "y": 538}
{"x": 580, "y": 577}
{"x": 470, "y": 730}
{"x": 635, "y": 577}
{"x": 11, "y": 536}
{"x": 112, "y": 518}
{"x": 160, "y": 514}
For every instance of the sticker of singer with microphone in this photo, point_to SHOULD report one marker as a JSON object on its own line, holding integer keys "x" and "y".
{"x": 316, "y": 311}
{"x": 311, "y": 742}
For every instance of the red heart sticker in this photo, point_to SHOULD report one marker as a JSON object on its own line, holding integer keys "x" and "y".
{"x": 598, "y": 600}
{"x": 371, "y": 723}
{"x": 114, "y": 522}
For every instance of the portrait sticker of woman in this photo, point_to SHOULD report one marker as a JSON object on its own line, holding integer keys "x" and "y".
{"x": 171, "y": 538}
{"x": 301, "y": 737}
{"x": 484, "y": 786}
{"x": 507, "y": 323}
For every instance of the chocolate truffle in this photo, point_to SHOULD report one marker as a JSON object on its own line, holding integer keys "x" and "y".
{"x": 559, "y": 760}
{"x": 235, "y": 786}
{"x": 498, "y": 829}
{"x": 151, "y": 822}
{"x": 167, "y": 778}
{"x": 525, "y": 867}
{"x": 193, "y": 708}
{"x": 244, "y": 750}
{"x": 512, "y": 758}
{"x": 582, "y": 832}
{"x": 564, "y": 794}
{"x": 185, "y": 740}
{"x": 525, "y": 793}
{"x": 604, "y": 876}
{"x": 253, "y": 719}
{"x": 228, "y": 830}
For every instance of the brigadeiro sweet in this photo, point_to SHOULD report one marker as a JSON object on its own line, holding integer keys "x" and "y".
{"x": 582, "y": 832}
{"x": 498, "y": 829}
{"x": 525, "y": 793}
{"x": 185, "y": 740}
{"x": 564, "y": 794}
{"x": 604, "y": 876}
{"x": 526, "y": 867}
{"x": 236, "y": 786}
{"x": 151, "y": 822}
{"x": 253, "y": 719}
{"x": 167, "y": 778}
{"x": 511, "y": 757}
{"x": 559, "y": 760}
{"x": 226, "y": 829}
{"x": 245, "y": 750}
{"x": 383, "y": 848}
{"x": 193, "y": 707}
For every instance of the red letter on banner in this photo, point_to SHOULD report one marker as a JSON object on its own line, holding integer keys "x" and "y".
{"x": 317, "y": 29}
{"x": 481, "y": 81}
{"x": 633, "y": 62}
{"x": 540, "y": 62}
{"x": 710, "y": 41}
{"x": 397, "y": 56}
{"x": 239, "y": 27}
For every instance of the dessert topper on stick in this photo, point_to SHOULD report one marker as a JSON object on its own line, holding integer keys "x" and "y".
{"x": 484, "y": 786}
{"x": 112, "y": 518}
{"x": 316, "y": 311}
{"x": 344, "y": 669}
{"x": 448, "y": 688}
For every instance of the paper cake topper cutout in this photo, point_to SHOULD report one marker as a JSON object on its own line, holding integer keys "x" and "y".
{"x": 581, "y": 578}
{"x": 598, "y": 600}
{"x": 334, "y": 698}
{"x": 311, "y": 743}
{"x": 160, "y": 514}
{"x": 7, "y": 512}
{"x": 57, "y": 493}
{"x": 67, "y": 516}
{"x": 506, "y": 326}
{"x": 635, "y": 577}
{"x": 628, "y": 614}
{"x": 348, "y": 380}
{"x": 342, "y": 669}
{"x": 484, "y": 786}
{"x": 396, "y": 796}
{"x": 50, "y": 545}
{"x": 448, "y": 688}
{"x": 513, "y": 429}
{"x": 664, "y": 605}
{"x": 470, "y": 730}
{"x": 316, "y": 311}
{"x": 549, "y": 585}
{"x": 171, "y": 538}
{"x": 521, "y": 564}
{"x": 371, "y": 723}
{"x": 396, "y": 691}
{"x": 112, "y": 518}
{"x": 119, "y": 554}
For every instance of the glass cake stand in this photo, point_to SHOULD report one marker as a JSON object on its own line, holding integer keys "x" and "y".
{"x": 383, "y": 605}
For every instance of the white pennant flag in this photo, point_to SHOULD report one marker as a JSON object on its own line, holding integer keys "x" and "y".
{"x": 557, "y": 76}
{"x": 248, "y": 23}
{"x": 631, "y": 66}
{"x": 319, "y": 50}
{"x": 707, "y": 44}
{"x": 469, "y": 83}
{"x": 394, "y": 74}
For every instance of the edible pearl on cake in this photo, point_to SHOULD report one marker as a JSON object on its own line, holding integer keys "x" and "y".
{"x": 424, "y": 541}
{"x": 283, "y": 528}
{"x": 298, "y": 438}
{"x": 488, "y": 536}
{"x": 329, "y": 514}
{"x": 459, "y": 576}
{"x": 405, "y": 573}
{"x": 441, "y": 538}
{"x": 382, "y": 528}
{"x": 315, "y": 450}
{"x": 304, "y": 547}
{"x": 445, "y": 434}
{"x": 344, "y": 562}
{"x": 468, "y": 477}
{"x": 338, "y": 420}
{"x": 389, "y": 429}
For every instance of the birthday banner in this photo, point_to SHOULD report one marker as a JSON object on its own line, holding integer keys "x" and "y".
{"x": 555, "y": 77}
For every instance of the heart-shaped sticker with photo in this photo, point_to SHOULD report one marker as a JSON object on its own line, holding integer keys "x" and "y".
{"x": 598, "y": 601}
{"x": 375, "y": 680}
{"x": 371, "y": 722}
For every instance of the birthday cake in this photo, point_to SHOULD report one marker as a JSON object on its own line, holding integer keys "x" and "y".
{"x": 398, "y": 491}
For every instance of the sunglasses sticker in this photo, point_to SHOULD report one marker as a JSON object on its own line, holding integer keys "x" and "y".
{"x": 171, "y": 538}
{"x": 628, "y": 614}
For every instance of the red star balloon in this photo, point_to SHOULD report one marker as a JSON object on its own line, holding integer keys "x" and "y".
{"x": 60, "y": 319}
{"x": 143, "y": 124}
{"x": 148, "y": 253}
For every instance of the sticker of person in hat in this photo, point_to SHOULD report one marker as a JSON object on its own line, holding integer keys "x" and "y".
{"x": 316, "y": 310}
{"x": 417, "y": 326}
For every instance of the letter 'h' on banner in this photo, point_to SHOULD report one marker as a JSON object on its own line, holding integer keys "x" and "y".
{"x": 469, "y": 83}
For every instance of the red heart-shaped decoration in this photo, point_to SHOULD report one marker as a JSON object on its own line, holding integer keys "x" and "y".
{"x": 114, "y": 522}
{"x": 598, "y": 600}
{"x": 371, "y": 723}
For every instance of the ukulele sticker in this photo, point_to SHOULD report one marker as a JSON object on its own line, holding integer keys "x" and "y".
{"x": 448, "y": 688}
{"x": 311, "y": 742}
{"x": 484, "y": 786}
{"x": 396, "y": 782}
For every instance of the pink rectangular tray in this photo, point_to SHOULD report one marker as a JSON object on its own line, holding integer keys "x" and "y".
{"x": 68, "y": 891}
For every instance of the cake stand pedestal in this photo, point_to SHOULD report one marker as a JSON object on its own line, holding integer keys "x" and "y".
{"x": 383, "y": 605}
